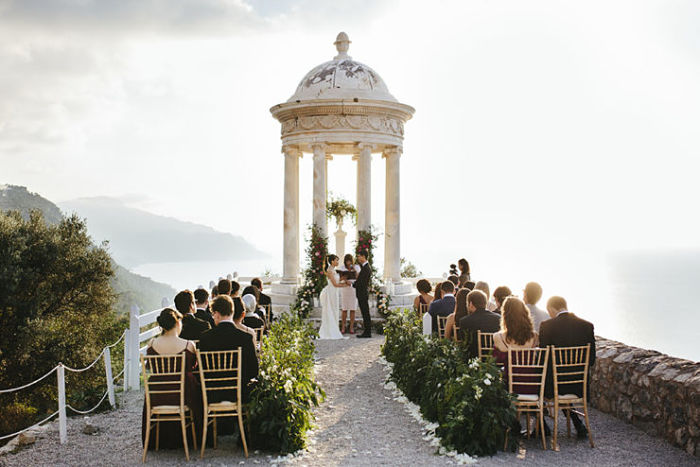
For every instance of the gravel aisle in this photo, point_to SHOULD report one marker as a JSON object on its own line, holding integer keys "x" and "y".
{"x": 359, "y": 424}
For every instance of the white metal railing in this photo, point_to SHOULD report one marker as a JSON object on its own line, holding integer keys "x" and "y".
{"x": 60, "y": 370}
{"x": 134, "y": 341}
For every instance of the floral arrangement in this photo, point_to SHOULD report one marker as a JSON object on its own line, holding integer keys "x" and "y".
{"x": 366, "y": 241}
{"x": 339, "y": 209}
{"x": 466, "y": 398}
{"x": 286, "y": 391}
{"x": 313, "y": 276}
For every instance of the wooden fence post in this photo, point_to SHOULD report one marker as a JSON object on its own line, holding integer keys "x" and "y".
{"x": 62, "y": 403}
{"x": 108, "y": 372}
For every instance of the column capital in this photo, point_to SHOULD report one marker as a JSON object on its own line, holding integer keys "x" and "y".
{"x": 291, "y": 150}
{"x": 361, "y": 147}
{"x": 392, "y": 151}
{"x": 319, "y": 147}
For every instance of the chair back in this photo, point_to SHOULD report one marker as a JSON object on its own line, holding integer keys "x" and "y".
{"x": 484, "y": 342}
{"x": 268, "y": 314}
{"x": 259, "y": 333}
{"x": 570, "y": 369}
{"x": 220, "y": 371}
{"x": 442, "y": 323}
{"x": 527, "y": 371}
{"x": 164, "y": 378}
{"x": 423, "y": 308}
{"x": 457, "y": 337}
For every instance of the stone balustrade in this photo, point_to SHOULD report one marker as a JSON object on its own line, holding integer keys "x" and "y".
{"x": 655, "y": 392}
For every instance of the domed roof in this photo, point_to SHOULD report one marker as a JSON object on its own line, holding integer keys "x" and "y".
{"x": 342, "y": 78}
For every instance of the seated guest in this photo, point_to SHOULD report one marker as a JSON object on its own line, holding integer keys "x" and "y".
{"x": 565, "y": 329}
{"x": 444, "y": 306}
{"x": 459, "y": 313}
{"x": 251, "y": 319}
{"x": 517, "y": 332}
{"x": 192, "y": 327}
{"x": 214, "y": 292}
{"x": 224, "y": 287}
{"x": 531, "y": 295}
{"x": 265, "y": 301}
{"x": 464, "y": 273}
{"x": 454, "y": 279}
{"x": 201, "y": 298}
{"x": 427, "y": 319}
{"x": 479, "y": 319}
{"x": 484, "y": 287}
{"x": 259, "y": 311}
{"x": 499, "y": 296}
{"x": 168, "y": 343}
{"x": 424, "y": 297}
{"x": 235, "y": 289}
{"x": 226, "y": 336}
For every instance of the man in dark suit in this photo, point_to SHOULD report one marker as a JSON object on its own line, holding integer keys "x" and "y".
{"x": 444, "y": 306}
{"x": 265, "y": 301}
{"x": 192, "y": 327}
{"x": 478, "y": 319}
{"x": 565, "y": 329}
{"x": 361, "y": 285}
{"x": 201, "y": 299}
{"x": 226, "y": 336}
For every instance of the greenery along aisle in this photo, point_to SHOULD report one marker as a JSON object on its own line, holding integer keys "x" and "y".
{"x": 280, "y": 409}
{"x": 466, "y": 397}
{"x": 314, "y": 278}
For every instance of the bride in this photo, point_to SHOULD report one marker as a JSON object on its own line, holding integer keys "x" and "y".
{"x": 330, "y": 303}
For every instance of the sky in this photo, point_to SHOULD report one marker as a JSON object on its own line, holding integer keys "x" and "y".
{"x": 542, "y": 128}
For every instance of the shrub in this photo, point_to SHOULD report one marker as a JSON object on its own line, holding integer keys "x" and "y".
{"x": 280, "y": 409}
{"x": 466, "y": 397}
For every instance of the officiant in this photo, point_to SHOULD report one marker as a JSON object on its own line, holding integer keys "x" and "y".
{"x": 348, "y": 301}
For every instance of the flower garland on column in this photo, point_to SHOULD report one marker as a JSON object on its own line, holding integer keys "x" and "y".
{"x": 366, "y": 240}
{"x": 313, "y": 275}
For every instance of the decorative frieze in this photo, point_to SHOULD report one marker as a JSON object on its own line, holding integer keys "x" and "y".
{"x": 377, "y": 123}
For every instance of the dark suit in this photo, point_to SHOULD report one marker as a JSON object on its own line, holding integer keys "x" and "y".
{"x": 252, "y": 321}
{"x": 481, "y": 320}
{"x": 566, "y": 330}
{"x": 362, "y": 293}
{"x": 441, "y": 307}
{"x": 226, "y": 336}
{"x": 205, "y": 315}
{"x": 193, "y": 327}
{"x": 265, "y": 300}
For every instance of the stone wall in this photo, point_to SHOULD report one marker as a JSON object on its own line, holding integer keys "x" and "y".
{"x": 655, "y": 392}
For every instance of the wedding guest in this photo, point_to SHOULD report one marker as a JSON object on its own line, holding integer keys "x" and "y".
{"x": 348, "y": 298}
{"x": 531, "y": 295}
{"x": 484, "y": 287}
{"x": 438, "y": 292}
{"x": 479, "y": 319}
{"x": 464, "y": 272}
{"x": 517, "y": 332}
{"x": 424, "y": 297}
{"x": 499, "y": 296}
{"x": 259, "y": 311}
{"x": 224, "y": 287}
{"x": 192, "y": 327}
{"x": 565, "y": 329}
{"x": 214, "y": 292}
{"x": 459, "y": 313}
{"x": 250, "y": 318}
{"x": 444, "y": 306}
{"x": 265, "y": 300}
{"x": 169, "y": 343}
{"x": 201, "y": 298}
{"x": 226, "y": 336}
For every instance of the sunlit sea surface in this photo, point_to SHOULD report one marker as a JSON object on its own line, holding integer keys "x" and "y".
{"x": 642, "y": 299}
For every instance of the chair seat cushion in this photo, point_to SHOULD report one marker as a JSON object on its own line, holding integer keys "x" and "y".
{"x": 528, "y": 397}
{"x": 568, "y": 397}
{"x": 162, "y": 409}
{"x": 223, "y": 405}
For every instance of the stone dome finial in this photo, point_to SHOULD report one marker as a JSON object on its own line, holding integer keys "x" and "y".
{"x": 342, "y": 44}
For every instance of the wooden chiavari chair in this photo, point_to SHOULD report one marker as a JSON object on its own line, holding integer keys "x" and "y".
{"x": 221, "y": 371}
{"x": 484, "y": 342}
{"x": 423, "y": 308}
{"x": 268, "y": 315}
{"x": 442, "y": 323}
{"x": 164, "y": 378}
{"x": 457, "y": 337}
{"x": 527, "y": 372}
{"x": 570, "y": 368}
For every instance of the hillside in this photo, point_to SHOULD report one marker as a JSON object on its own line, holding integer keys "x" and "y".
{"x": 138, "y": 237}
{"x": 131, "y": 289}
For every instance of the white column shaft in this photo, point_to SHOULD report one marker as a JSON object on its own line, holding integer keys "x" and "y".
{"x": 392, "y": 245}
{"x": 364, "y": 188}
{"x": 291, "y": 216}
{"x": 319, "y": 198}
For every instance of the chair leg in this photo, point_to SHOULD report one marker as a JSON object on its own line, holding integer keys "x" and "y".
{"x": 541, "y": 424}
{"x": 148, "y": 437}
{"x": 527, "y": 418}
{"x": 184, "y": 436}
{"x": 240, "y": 425}
{"x": 157, "y": 434}
{"x": 194, "y": 433}
{"x": 215, "y": 432}
{"x": 588, "y": 427}
{"x": 505, "y": 443}
{"x": 204, "y": 435}
{"x": 568, "y": 423}
{"x": 555, "y": 445}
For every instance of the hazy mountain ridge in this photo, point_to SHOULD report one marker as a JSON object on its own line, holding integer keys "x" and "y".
{"x": 138, "y": 237}
{"x": 131, "y": 289}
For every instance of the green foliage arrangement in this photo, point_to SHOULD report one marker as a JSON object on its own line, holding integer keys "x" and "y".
{"x": 466, "y": 397}
{"x": 366, "y": 241}
{"x": 280, "y": 410}
{"x": 339, "y": 208}
{"x": 409, "y": 270}
{"x": 56, "y": 305}
{"x": 313, "y": 276}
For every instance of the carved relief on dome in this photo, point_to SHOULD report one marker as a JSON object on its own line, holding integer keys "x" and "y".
{"x": 343, "y": 122}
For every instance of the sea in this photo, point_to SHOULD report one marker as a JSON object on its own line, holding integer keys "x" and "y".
{"x": 645, "y": 299}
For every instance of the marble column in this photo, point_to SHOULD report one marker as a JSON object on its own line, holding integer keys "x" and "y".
{"x": 291, "y": 215}
{"x": 319, "y": 198}
{"x": 364, "y": 186}
{"x": 392, "y": 238}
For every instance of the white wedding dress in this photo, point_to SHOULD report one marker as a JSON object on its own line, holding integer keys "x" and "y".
{"x": 330, "y": 314}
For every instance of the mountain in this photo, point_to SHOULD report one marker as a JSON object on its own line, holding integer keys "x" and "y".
{"x": 138, "y": 237}
{"x": 131, "y": 289}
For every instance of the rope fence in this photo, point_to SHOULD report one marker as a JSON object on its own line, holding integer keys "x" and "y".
{"x": 60, "y": 369}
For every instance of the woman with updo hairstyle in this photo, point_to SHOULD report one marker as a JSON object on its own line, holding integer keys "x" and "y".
{"x": 459, "y": 313}
{"x": 170, "y": 343}
{"x": 517, "y": 332}
{"x": 499, "y": 296}
{"x": 424, "y": 297}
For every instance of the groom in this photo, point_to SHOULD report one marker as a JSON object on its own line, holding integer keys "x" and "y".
{"x": 361, "y": 291}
